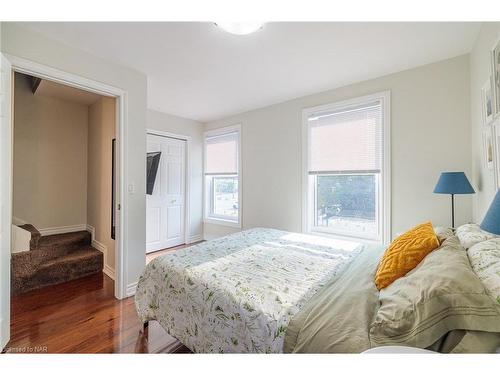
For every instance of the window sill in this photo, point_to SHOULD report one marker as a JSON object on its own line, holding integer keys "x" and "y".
{"x": 227, "y": 223}
{"x": 345, "y": 238}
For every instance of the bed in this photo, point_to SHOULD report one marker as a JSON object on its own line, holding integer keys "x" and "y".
{"x": 270, "y": 291}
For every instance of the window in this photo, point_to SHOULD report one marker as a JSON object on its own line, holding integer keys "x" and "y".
{"x": 222, "y": 176}
{"x": 347, "y": 175}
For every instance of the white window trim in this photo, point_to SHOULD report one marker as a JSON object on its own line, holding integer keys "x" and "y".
{"x": 385, "y": 98}
{"x": 220, "y": 221}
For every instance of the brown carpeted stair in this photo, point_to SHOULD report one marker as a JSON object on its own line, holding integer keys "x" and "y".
{"x": 54, "y": 259}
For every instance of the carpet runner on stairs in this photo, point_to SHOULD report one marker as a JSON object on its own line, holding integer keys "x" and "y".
{"x": 53, "y": 260}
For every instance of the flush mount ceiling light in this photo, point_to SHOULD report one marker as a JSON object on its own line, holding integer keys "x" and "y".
{"x": 240, "y": 28}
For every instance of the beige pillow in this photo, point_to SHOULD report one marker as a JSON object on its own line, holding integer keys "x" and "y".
{"x": 443, "y": 233}
{"x": 441, "y": 294}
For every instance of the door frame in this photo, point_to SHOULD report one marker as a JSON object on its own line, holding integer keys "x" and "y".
{"x": 25, "y": 66}
{"x": 6, "y": 198}
{"x": 187, "y": 174}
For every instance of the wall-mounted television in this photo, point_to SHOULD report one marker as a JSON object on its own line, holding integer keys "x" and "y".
{"x": 153, "y": 160}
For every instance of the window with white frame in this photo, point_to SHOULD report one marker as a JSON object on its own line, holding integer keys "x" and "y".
{"x": 222, "y": 176}
{"x": 347, "y": 176}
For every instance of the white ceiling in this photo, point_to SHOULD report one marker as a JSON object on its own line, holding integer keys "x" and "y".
{"x": 195, "y": 70}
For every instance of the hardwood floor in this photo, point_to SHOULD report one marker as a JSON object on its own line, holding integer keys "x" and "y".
{"x": 154, "y": 254}
{"x": 82, "y": 316}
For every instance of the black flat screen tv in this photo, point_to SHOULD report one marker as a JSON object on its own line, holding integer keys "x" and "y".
{"x": 153, "y": 160}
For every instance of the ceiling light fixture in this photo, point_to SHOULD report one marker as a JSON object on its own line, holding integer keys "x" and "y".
{"x": 240, "y": 28}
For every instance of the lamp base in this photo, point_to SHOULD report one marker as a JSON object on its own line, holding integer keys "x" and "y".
{"x": 453, "y": 211}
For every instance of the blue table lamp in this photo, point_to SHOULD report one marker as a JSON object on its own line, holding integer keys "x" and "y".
{"x": 491, "y": 221}
{"x": 453, "y": 183}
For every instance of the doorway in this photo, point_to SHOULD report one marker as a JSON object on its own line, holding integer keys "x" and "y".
{"x": 166, "y": 192}
{"x": 9, "y": 65}
{"x": 62, "y": 184}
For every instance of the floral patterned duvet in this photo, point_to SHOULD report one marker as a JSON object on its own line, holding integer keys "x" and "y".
{"x": 238, "y": 293}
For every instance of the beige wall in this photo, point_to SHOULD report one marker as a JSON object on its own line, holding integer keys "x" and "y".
{"x": 50, "y": 159}
{"x": 102, "y": 125}
{"x": 430, "y": 133}
{"x": 480, "y": 70}
{"x": 181, "y": 126}
{"x": 62, "y": 163}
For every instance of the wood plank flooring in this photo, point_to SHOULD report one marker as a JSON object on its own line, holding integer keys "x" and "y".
{"x": 82, "y": 316}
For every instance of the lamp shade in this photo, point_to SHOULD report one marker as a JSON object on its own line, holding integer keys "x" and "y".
{"x": 453, "y": 183}
{"x": 491, "y": 221}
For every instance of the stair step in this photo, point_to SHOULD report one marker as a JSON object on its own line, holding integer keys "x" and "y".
{"x": 69, "y": 241}
{"x": 77, "y": 257}
{"x": 79, "y": 263}
{"x": 35, "y": 235}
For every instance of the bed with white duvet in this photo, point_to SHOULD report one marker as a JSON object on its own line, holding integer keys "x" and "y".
{"x": 239, "y": 293}
{"x": 269, "y": 291}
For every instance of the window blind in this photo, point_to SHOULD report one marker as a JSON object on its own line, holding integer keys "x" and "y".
{"x": 348, "y": 140}
{"x": 221, "y": 154}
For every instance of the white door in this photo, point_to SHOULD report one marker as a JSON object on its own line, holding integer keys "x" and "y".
{"x": 165, "y": 206}
{"x": 5, "y": 196}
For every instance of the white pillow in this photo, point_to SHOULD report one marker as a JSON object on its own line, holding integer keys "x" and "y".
{"x": 443, "y": 233}
{"x": 471, "y": 234}
{"x": 484, "y": 258}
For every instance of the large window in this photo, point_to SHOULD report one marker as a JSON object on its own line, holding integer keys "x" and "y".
{"x": 222, "y": 176}
{"x": 347, "y": 168}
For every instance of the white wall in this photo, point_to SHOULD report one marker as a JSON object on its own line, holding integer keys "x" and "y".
{"x": 21, "y": 42}
{"x": 178, "y": 125}
{"x": 430, "y": 131}
{"x": 480, "y": 70}
{"x": 20, "y": 239}
{"x": 50, "y": 159}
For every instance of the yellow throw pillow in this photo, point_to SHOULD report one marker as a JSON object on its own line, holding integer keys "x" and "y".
{"x": 405, "y": 253}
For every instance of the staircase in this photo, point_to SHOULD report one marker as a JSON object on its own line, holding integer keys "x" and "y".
{"x": 53, "y": 260}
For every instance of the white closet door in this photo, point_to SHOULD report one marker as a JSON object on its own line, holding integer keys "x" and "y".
{"x": 165, "y": 207}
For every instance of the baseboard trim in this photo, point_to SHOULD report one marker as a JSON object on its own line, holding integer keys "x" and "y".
{"x": 108, "y": 271}
{"x": 61, "y": 230}
{"x": 99, "y": 246}
{"x": 91, "y": 229}
{"x": 195, "y": 238}
{"x": 131, "y": 288}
